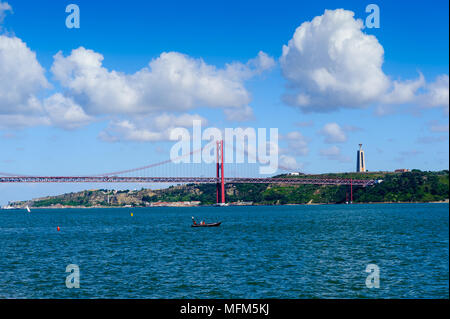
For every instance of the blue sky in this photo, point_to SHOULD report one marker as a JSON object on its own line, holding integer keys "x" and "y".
{"x": 63, "y": 131}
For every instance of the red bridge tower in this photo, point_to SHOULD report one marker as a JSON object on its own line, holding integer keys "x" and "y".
{"x": 220, "y": 186}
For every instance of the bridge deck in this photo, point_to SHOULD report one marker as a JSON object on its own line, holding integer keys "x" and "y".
{"x": 181, "y": 180}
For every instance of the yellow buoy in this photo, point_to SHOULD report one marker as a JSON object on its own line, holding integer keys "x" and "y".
{"x": 131, "y": 214}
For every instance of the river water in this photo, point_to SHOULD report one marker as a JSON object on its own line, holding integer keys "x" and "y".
{"x": 257, "y": 252}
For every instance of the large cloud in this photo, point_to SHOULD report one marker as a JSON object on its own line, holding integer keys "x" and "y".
{"x": 21, "y": 77}
{"x": 330, "y": 63}
{"x": 171, "y": 82}
{"x": 22, "y": 82}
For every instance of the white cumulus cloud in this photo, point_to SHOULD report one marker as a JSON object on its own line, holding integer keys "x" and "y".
{"x": 171, "y": 82}
{"x": 22, "y": 81}
{"x": 330, "y": 63}
{"x": 21, "y": 77}
{"x": 166, "y": 89}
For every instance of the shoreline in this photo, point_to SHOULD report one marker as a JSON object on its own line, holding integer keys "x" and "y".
{"x": 230, "y": 205}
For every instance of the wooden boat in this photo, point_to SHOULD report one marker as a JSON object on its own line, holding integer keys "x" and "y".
{"x": 207, "y": 225}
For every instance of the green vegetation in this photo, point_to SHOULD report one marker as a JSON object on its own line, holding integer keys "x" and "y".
{"x": 81, "y": 201}
{"x": 414, "y": 186}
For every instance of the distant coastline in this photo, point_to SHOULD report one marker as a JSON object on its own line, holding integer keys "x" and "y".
{"x": 406, "y": 187}
{"x": 180, "y": 205}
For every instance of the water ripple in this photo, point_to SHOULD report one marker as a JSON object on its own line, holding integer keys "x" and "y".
{"x": 258, "y": 252}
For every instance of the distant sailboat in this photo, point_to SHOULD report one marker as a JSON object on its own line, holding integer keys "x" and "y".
{"x": 28, "y": 209}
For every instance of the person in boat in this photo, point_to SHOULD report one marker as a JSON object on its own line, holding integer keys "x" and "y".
{"x": 193, "y": 221}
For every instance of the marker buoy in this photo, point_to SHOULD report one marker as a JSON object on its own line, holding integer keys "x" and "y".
{"x": 131, "y": 214}
{"x": 57, "y": 228}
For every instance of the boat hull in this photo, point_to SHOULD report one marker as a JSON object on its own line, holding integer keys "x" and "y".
{"x": 207, "y": 225}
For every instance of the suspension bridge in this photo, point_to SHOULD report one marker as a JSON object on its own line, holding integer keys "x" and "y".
{"x": 219, "y": 179}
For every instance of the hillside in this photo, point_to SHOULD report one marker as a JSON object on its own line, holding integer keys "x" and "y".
{"x": 415, "y": 186}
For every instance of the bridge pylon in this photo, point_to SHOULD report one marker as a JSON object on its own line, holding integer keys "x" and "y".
{"x": 220, "y": 185}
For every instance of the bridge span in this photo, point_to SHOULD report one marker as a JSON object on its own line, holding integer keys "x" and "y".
{"x": 185, "y": 180}
{"x": 219, "y": 180}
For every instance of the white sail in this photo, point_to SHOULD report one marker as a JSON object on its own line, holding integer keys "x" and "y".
{"x": 28, "y": 209}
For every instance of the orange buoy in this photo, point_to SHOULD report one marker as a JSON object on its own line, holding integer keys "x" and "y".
{"x": 57, "y": 228}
